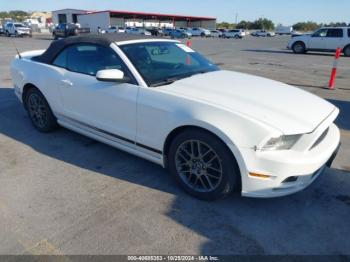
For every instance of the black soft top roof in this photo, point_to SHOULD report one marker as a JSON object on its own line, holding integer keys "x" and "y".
{"x": 101, "y": 39}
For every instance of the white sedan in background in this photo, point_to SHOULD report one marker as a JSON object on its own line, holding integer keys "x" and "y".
{"x": 234, "y": 33}
{"x": 137, "y": 31}
{"x": 115, "y": 29}
{"x": 197, "y": 31}
{"x": 216, "y": 131}
{"x": 215, "y": 33}
{"x": 264, "y": 33}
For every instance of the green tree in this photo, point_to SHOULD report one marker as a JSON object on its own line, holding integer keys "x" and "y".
{"x": 225, "y": 25}
{"x": 16, "y": 15}
{"x": 263, "y": 23}
{"x": 306, "y": 26}
{"x": 244, "y": 25}
{"x": 336, "y": 24}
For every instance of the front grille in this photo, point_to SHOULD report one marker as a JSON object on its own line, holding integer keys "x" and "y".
{"x": 320, "y": 139}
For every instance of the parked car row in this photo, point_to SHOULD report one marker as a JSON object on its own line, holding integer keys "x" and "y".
{"x": 66, "y": 30}
{"x": 180, "y": 32}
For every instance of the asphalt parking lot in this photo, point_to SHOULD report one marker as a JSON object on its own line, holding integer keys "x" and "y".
{"x": 63, "y": 193}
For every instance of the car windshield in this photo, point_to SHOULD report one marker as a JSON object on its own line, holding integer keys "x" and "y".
{"x": 162, "y": 63}
{"x": 19, "y": 25}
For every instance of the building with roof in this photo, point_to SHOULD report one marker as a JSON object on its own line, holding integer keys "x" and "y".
{"x": 104, "y": 19}
{"x": 67, "y": 15}
{"x": 39, "y": 20}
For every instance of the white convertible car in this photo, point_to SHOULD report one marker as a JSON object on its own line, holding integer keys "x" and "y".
{"x": 215, "y": 130}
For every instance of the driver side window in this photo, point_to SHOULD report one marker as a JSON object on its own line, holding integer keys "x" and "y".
{"x": 320, "y": 33}
{"x": 89, "y": 59}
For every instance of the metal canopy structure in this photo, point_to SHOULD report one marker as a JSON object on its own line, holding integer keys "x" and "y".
{"x": 183, "y": 19}
{"x": 153, "y": 16}
{"x": 104, "y": 19}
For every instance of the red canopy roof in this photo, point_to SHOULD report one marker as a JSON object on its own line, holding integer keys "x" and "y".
{"x": 150, "y": 16}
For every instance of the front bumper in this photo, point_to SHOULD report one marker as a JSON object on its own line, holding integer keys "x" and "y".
{"x": 289, "y": 171}
{"x": 24, "y": 33}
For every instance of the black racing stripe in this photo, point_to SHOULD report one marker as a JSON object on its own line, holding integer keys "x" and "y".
{"x": 149, "y": 148}
{"x": 116, "y": 136}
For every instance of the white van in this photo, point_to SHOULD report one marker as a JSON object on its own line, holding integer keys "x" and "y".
{"x": 283, "y": 30}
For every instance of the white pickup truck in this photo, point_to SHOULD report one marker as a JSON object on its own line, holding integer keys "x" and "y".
{"x": 326, "y": 39}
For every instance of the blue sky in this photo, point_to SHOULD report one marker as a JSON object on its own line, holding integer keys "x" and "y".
{"x": 280, "y": 11}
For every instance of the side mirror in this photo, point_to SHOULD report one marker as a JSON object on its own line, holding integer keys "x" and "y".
{"x": 111, "y": 75}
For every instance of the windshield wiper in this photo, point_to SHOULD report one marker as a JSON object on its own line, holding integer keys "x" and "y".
{"x": 165, "y": 82}
{"x": 170, "y": 80}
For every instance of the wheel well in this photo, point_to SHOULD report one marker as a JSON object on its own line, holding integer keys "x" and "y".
{"x": 182, "y": 129}
{"x": 345, "y": 47}
{"x": 26, "y": 88}
{"x": 301, "y": 42}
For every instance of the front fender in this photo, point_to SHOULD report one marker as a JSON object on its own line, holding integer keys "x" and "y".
{"x": 159, "y": 114}
{"x": 303, "y": 39}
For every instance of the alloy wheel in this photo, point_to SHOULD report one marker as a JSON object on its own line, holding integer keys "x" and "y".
{"x": 199, "y": 166}
{"x": 299, "y": 48}
{"x": 37, "y": 110}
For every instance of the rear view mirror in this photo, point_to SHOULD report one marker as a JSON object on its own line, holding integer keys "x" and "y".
{"x": 111, "y": 75}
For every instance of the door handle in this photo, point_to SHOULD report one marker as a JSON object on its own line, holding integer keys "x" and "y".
{"x": 67, "y": 83}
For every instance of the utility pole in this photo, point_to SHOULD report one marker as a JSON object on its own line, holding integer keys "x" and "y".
{"x": 236, "y": 18}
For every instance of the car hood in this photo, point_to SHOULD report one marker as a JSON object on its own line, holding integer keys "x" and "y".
{"x": 286, "y": 108}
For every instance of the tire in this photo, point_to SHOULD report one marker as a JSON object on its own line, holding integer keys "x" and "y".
{"x": 202, "y": 35}
{"x": 209, "y": 175}
{"x": 39, "y": 111}
{"x": 299, "y": 48}
{"x": 237, "y": 37}
{"x": 8, "y": 34}
{"x": 347, "y": 51}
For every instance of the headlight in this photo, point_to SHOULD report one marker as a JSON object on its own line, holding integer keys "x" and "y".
{"x": 281, "y": 143}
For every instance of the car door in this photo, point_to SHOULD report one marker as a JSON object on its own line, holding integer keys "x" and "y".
{"x": 196, "y": 32}
{"x": 9, "y": 28}
{"x": 317, "y": 39}
{"x": 107, "y": 107}
{"x": 334, "y": 38}
{"x": 62, "y": 30}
